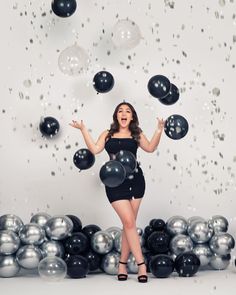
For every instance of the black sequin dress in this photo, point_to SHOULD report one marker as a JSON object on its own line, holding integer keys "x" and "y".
{"x": 134, "y": 185}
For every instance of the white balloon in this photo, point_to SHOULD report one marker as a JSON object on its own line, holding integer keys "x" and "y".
{"x": 126, "y": 34}
{"x": 73, "y": 60}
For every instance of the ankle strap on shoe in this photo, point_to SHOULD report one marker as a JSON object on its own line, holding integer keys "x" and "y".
{"x": 122, "y": 262}
{"x": 141, "y": 263}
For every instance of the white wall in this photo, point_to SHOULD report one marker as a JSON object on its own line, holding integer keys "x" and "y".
{"x": 192, "y": 176}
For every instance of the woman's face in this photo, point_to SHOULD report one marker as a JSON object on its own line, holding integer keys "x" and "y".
{"x": 124, "y": 115}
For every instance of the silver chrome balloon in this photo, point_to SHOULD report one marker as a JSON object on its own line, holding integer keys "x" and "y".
{"x": 220, "y": 262}
{"x": 218, "y": 223}
{"x": 200, "y": 232}
{"x": 176, "y": 225}
{"x": 181, "y": 243}
{"x": 11, "y": 222}
{"x": 58, "y": 227}
{"x": 118, "y": 242}
{"x": 52, "y": 248}
{"x": 110, "y": 263}
{"x": 52, "y": 268}
{"x": 29, "y": 256}
{"x": 102, "y": 242}
{"x": 40, "y": 218}
{"x": 194, "y": 218}
{"x": 32, "y": 233}
{"x": 113, "y": 231}
{"x": 132, "y": 265}
{"x": 203, "y": 252}
{"x": 9, "y": 242}
{"x": 222, "y": 243}
{"x": 9, "y": 267}
{"x": 139, "y": 231}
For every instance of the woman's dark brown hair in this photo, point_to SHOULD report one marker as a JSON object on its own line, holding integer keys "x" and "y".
{"x": 133, "y": 126}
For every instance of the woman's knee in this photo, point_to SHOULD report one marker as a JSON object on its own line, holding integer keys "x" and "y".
{"x": 129, "y": 223}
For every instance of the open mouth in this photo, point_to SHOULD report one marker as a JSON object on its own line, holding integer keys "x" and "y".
{"x": 123, "y": 120}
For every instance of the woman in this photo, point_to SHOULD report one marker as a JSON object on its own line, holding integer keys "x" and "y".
{"x": 125, "y": 134}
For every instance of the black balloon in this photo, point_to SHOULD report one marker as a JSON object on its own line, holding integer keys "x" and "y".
{"x": 77, "y": 224}
{"x": 148, "y": 230}
{"x": 171, "y": 97}
{"x": 77, "y": 243}
{"x": 77, "y": 266}
{"x": 112, "y": 173}
{"x": 158, "y": 224}
{"x": 128, "y": 160}
{"x": 147, "y": 257}
{"x": 94, "y": 260}
{"x": 90, "y": 229}
{"x": 176, "y": 127}
{"x": 103, "y": 81}
{"x": 161, "y": 266}
{"x": 158, "y": 242}
{"x": 83, "y": 159}
{"x": 49, "y": 126}
{"x": 187, "y": 264}
{"x": 64, "y": 8}
{"x": 159, "y": 86}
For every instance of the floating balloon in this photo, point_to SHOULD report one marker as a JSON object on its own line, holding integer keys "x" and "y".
{"x": 77, "y": 224}
{"x": 58, "y": 227}
{"x": 128, "y": 160}
{"x": 73, "y": 60}
{"x": 176, "y": 127}
{"x": 52, "y": 268}
{"x": 11, "y": 222}
{"x": 83, "y": 159}
{"x": 159, "y": 86}
{"x": 126, "y": 34}
{"x": 49, "y": 126}
{"x": 187, "y": 264}
{"x": 77, "y": 266}
{"x": 9, "y": 266}
{"x": 64, "y": 8}
{"x": 161, "y": 265}
{"x": 112, "y": 173}
{"x": 9, "y": 242}
{"x": 103, "y": 82}
{"x": 171, "y": 97}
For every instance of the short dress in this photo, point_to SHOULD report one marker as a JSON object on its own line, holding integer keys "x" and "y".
{"x": 133, "y": 186}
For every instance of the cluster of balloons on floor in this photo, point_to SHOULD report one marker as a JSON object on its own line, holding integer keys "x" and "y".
{"x": 59, "y": 245}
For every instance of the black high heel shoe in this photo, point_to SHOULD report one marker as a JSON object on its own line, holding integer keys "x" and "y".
{"x": 122, "y": 276}
{"x": 142, "y": 278}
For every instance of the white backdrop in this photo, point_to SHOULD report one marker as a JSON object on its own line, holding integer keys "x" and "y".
{"x": 190, "y": 42}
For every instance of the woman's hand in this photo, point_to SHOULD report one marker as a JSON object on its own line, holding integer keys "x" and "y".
{"x": 160, "y": 125}
{"x": 77, "y": 125}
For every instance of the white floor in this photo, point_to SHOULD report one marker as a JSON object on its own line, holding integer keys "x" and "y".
{"x": 204, "y": 282}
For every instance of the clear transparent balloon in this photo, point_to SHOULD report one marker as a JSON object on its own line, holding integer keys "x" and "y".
{"x": 52, "y": 268}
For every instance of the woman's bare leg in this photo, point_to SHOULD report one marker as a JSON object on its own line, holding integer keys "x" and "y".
{"x": 127, "y": 211}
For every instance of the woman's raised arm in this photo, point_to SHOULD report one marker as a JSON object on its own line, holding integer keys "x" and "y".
{"x": 94, "y": 148}
{"x": 151, "y": 146}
